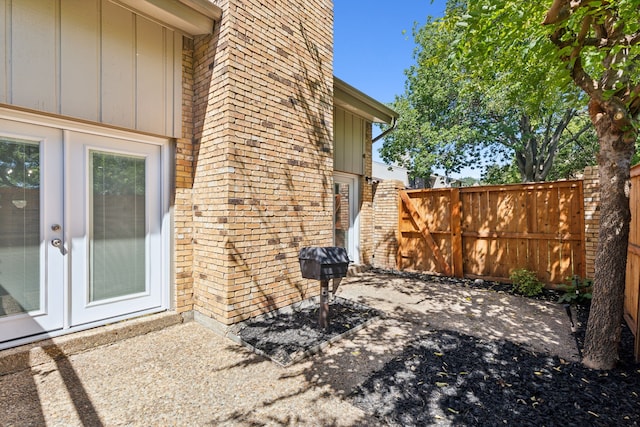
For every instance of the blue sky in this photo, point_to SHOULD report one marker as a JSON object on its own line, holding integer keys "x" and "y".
{"x": 373, "y": 42}
{"x": 373, "y": 46}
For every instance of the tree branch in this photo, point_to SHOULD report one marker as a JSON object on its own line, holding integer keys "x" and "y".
{"x": 582, "y": 35}
{"x": 547, "y": 156}
{"x": 584, "y": 81}
{"x": 561, "y": 10}
{"x": 556, "y": 38}
{"x": 575, "y": 138}
{"x": 627, "y": 40}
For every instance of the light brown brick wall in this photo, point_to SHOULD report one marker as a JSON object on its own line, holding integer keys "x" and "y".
{"x": 385, "y": 206}
{"x": 591, "y": 189}
{"x": 366, "y": 202}
{"x": 262, "y": 155}
{"x": 183, "y": 212}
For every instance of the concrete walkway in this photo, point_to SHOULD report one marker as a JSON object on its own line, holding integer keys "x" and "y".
{"x": 186, "y": 374}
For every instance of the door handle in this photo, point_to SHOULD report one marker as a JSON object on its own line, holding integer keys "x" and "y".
{"x": 57, "y": 243}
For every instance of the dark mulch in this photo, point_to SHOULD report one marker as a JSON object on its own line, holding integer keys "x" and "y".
{"x": 463, "y": 380}
{"x": 446, "y": 377}
{"x": 289, "y": 336}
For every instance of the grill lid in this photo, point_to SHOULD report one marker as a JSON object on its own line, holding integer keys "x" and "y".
{"x": 325, "y": 255}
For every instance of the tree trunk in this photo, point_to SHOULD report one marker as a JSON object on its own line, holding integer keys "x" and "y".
{"x": 605, "y": 318}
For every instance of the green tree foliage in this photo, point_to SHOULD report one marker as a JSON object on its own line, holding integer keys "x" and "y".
{"x": 468, "y": 181}
{"x": 546, "y": 49}
{"x": 452, "y": 116}
{"x": 501, "y": 174}
{"x": 19, "y": 164}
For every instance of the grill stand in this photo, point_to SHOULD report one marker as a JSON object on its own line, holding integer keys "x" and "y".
{"x": 323, "y": 315}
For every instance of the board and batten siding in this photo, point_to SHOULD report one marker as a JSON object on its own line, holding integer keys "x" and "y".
{"x": 349, "y": 136}
{"x": 91, "y": 60}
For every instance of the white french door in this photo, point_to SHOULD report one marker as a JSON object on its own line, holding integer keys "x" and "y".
{"x": 114, "y": 226}
{"x": 80, "y": 228}
{"x": 31, "y": 214}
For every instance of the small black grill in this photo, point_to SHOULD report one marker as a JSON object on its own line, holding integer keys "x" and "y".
{"x": 324, "y": 264}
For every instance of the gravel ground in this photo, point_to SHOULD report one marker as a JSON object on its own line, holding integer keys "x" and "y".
{"x": 445, "y": 377}
{"x": 444, "y": 353}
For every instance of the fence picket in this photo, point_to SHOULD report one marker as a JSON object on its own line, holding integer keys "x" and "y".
{"x": 491, "y": 231}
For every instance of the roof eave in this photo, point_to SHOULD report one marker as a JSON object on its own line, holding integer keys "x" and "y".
{"x": 190, "y": 17}
{"x": 357, "y": 102}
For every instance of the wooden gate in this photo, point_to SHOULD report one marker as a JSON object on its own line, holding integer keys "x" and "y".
{"x": 632, "y": 285}
{"x": 490, "y": 231}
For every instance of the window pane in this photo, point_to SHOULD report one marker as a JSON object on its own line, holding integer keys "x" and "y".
{"x": 117, "y": 249}
{"x": 19, "y": 226}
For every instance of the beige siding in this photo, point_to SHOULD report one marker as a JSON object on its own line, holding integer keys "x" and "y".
{"x": 349, "y": 142}
{"x": 150, "y": 72}
{"x": 34, "y": 67}
{"x": 93, "y": 60}
{"x": 118, "y": 65}
{"x": 80, "y": 38}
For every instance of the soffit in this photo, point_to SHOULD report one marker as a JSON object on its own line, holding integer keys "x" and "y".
{"x": 357, "y": 102}
{"x": 191, "y": 17}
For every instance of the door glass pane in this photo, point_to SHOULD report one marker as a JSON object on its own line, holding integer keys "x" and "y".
{"x": 118, "y": 224}
{"x": 341, "y": 220}
{"x": 19, "y": 226}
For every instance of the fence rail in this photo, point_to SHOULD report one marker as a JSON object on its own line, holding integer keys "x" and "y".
{"x": 490, "y": 231}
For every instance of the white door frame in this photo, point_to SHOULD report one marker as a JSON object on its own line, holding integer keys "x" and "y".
{"x": 165, "y": 163}
{"x": 354, "y": 213}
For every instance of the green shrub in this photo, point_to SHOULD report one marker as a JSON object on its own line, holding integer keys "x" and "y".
{"x": 525, "y": 282}
{"x": 577, "y": 291}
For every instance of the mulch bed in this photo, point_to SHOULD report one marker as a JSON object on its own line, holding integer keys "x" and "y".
{"x": 446, "y": 377}
{"x": 289, "y": 336}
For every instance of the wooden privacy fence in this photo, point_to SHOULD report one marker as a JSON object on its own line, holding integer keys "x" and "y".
{"x": 632, "y": 285}
{"x": 490, "y": 231}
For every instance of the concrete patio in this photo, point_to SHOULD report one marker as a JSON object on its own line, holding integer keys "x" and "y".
{"x": 162, "y": 371}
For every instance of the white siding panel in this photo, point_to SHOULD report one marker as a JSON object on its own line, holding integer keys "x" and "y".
{"x": 118, "y": 66}
{"x": 339, "y": 139}
{"x": 34, "y": 70}
{"x": 177, "y": 87}
{"x": 348, "y": 142}
{"x": 358, "y": 146}
{"x": 151, "y": 93}
{"x": 5, "y": 28}
{"x": 80, "y": 58}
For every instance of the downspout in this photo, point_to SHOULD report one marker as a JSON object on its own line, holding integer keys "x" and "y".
{"x": 394, "y": 124}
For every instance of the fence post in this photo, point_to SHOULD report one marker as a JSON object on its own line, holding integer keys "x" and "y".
{"x": 456, "y": 233}
{"x": 399, "y": 233}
